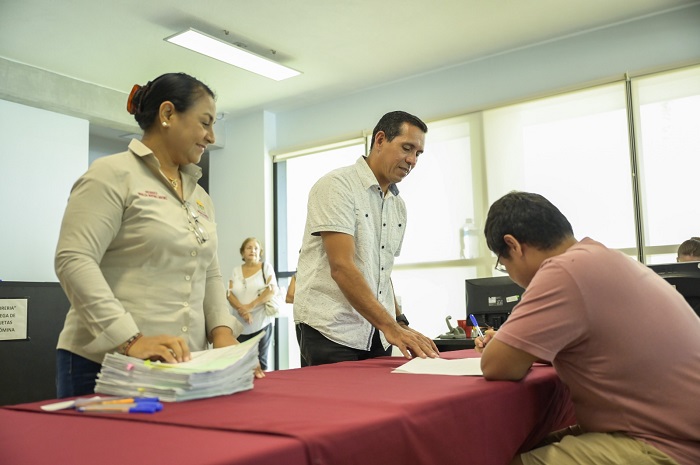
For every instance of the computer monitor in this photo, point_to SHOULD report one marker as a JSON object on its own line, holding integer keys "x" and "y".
{"x": 491, "y": 300}
{"x": 685, "y": 277}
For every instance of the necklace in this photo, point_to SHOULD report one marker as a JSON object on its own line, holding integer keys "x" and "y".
{"x": 173, "y": 182}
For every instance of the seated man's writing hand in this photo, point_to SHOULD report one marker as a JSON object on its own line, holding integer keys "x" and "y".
{"x": 480, "y": 343}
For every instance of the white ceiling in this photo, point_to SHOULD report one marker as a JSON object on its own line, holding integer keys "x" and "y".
{"x": 340, "y": 46}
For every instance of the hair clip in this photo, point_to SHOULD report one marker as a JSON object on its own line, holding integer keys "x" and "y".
{"x": 130, "y": 107}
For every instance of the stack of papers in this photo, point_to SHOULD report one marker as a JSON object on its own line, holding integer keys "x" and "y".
{"x": 441, "y": 366}
{"x": 209, "y": 373}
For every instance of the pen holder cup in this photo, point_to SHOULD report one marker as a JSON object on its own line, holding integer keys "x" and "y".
{"x": 463, "y": 324}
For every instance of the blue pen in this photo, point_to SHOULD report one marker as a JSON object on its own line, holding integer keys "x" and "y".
{"x": 476, "y": 325}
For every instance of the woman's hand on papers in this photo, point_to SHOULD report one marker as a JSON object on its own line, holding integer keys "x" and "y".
{"x": 480, "y": 343}
{"x": 169, "y": 349}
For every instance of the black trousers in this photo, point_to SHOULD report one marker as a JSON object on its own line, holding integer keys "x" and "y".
{"x": 316, "y": 349}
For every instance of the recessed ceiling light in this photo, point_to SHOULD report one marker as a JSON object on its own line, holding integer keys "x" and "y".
{"x": 228, "y": 53}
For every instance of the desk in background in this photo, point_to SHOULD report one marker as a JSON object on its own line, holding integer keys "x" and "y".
{"x": 447, "y": 345}
{"x": 344, "y": 413}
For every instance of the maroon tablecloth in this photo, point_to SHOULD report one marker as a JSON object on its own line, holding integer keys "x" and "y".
{"x": 346, "y": 413}
{"x": 31, "y": 438}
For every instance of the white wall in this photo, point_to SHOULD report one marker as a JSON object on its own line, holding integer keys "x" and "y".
{"x": 241, "y": 187}
{"x": 42, "y": 155}
{"x": 102, "y": 146}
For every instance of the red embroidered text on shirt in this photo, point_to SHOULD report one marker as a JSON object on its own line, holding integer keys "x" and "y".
{"x": 152, "y": 194}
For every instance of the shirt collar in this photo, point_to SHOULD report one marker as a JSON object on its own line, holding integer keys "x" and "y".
{"x": 139, "y": 149}
{"x": 367, "y": 177}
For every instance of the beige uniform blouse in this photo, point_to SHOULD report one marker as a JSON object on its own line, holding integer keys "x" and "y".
{"x": 131, "y": 257}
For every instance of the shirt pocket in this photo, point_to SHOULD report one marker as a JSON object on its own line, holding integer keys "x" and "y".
{"x": 395, "y": 222}
{"x": 365, "y": 234}
{"x": 396, "y": 238}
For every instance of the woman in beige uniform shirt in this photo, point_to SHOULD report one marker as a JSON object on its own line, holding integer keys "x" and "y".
{"x": 137, "y": 252}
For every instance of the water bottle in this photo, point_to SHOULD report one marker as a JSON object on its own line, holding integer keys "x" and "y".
{"x": 470, "y": 240}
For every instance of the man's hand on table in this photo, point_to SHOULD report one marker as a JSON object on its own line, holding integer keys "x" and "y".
{"x": 410, "y": 342}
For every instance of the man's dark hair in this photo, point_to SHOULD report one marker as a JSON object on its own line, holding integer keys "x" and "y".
{"x": 530, "y": 218}
{"x": 690, "y": 247}
{"x": 390, "y": 125}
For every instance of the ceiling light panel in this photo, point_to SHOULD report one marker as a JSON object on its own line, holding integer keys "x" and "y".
{"x": 228, "y": 53}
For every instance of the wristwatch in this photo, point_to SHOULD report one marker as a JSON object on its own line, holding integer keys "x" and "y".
{"x": 402, "y": 319}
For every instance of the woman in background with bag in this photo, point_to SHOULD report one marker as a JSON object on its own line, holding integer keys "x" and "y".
{"x": 252, "y": 292}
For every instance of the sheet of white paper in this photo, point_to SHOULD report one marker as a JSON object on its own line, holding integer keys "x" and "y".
{"x": 441, "y": 366}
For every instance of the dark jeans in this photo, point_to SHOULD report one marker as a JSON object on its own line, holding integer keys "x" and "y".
{"x": 316, "y": 349}
{"x": 263, "y": 344}
{"x": 75, "y": 375}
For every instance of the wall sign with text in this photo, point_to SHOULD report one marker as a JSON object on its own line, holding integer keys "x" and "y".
{"x": 13, "y": 319}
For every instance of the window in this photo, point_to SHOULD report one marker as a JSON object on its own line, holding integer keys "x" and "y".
{"x": 301, "y": 174}
{"x": 669, "y": 151}
{"x": 439, "y": 195}
{"x": 573, "y": 149}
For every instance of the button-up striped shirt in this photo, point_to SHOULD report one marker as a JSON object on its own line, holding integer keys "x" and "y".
{"x": 350, "y": 201}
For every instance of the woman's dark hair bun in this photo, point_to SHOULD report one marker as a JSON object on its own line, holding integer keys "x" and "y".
{"x": 133, "y": 103}
{"x": 178, "y": 88}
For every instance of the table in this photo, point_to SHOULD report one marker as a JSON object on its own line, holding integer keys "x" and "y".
{"x": 345, "y": 413}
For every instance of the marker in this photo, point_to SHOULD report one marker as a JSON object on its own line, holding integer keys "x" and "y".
{"x": 129, "y": 400}
{"x": 81, "y": 402}
{"x": 476, "y": 325}
{"x": 113, "y": 400}
{"x": 137, "y": 407}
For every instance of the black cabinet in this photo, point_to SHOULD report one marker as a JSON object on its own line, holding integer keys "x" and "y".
{"x": 28, "y": 366}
